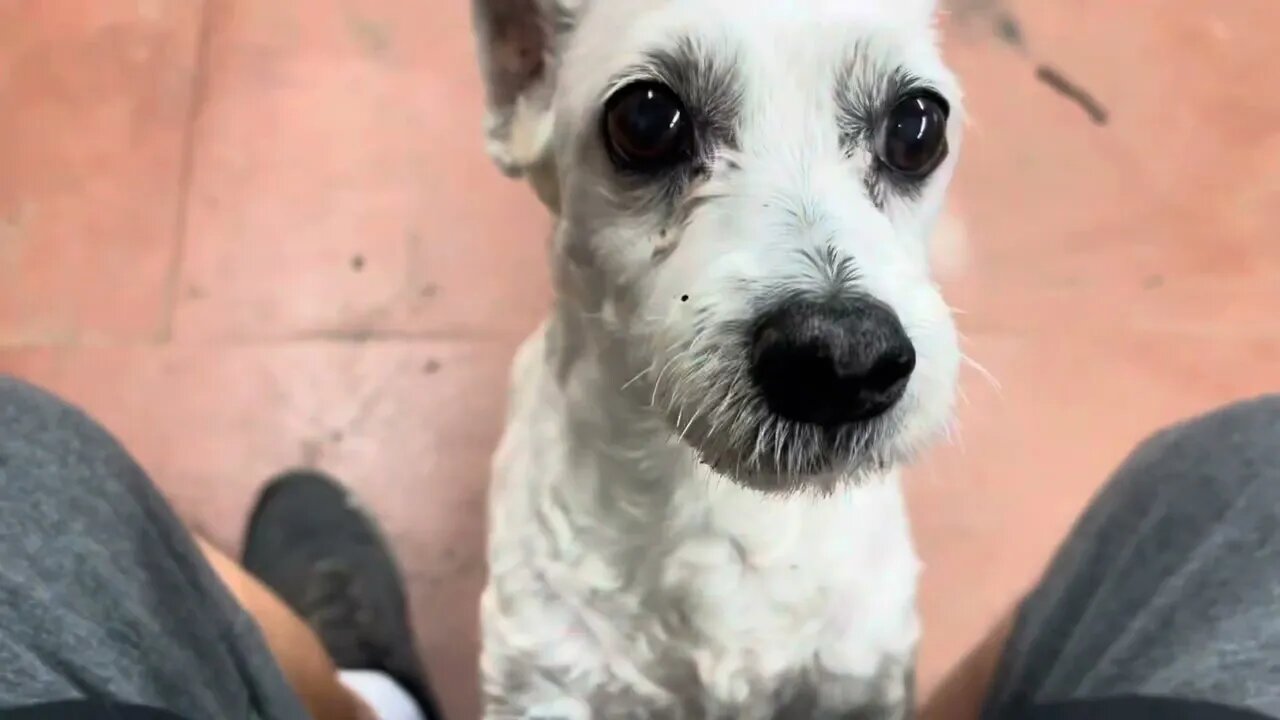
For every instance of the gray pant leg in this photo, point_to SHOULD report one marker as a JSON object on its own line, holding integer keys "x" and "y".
{"x": 1170, "y": 583}
{"x": 103, "y": 593}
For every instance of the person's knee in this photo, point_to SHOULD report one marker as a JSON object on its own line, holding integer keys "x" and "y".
{"x": 50, "y": 451}
{"x": 1223, "y": 450}
{"x": 32, "y": 420}
{"x": 1244, "y": 431}
{"x": 22, "y": 397}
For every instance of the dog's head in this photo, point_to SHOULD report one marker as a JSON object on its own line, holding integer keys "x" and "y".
{"x": 745, "y": 189}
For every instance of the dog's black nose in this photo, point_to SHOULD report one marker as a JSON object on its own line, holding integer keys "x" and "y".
{"x": 830, "y": 364}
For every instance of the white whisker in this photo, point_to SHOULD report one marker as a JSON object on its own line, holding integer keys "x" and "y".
{"x": 635, "y": 379}
{"x": 986, "y": 374}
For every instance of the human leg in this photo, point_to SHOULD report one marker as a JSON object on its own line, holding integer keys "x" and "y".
{"x": 1169, "y": 585}
{"x": 104, "y": 595}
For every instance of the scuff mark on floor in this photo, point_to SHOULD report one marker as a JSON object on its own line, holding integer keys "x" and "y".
{"x": 372, "y": 37}
{"x": 1052, "y": 77}
{"x": 997, "y": 18}
{"x": 1009, "y": 30}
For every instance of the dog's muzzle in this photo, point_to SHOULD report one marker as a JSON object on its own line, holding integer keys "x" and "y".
{"x": 831, "y": 364}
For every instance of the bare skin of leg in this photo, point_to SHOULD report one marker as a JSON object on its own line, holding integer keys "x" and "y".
{"x": 298, "y": 652}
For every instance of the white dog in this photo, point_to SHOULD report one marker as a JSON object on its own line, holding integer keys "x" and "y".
{"x": 696, "y": 511}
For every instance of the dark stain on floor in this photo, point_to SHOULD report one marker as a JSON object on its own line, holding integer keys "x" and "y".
{"x": 992, "y": 16}
{"x": 1058, "y": 82}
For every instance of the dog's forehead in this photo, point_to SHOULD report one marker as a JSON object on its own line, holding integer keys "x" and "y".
{"x": 665, "y": 17}
{"x": 807, "y": 39}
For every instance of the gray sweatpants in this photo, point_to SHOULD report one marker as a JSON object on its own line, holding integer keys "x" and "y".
{"x": 1170, "y": 584}
{"x": 103, "y": 593}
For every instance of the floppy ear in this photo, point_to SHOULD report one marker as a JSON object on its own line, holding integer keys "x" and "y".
{"x": 516, "y": 40}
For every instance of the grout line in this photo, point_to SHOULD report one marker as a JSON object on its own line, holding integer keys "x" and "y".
{"x": 186, "y": 169}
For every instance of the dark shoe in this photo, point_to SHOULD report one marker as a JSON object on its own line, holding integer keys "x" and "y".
{"x": 309, "y": 541}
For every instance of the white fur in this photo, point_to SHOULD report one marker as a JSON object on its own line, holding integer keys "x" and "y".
{"x": 629, "y": 579}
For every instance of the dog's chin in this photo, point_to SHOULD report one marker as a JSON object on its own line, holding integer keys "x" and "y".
{"x": 778, "y": 456}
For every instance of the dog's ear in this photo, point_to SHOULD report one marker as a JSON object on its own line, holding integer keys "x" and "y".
{"x": 516, "y": 40}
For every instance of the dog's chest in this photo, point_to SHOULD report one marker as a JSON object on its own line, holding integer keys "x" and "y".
{"x": 728, "y": 610}
{"x": 768, "y": 600}
{"x": 694, "y": 598}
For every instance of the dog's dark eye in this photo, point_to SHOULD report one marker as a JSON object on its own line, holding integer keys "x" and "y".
{"x": 646, "y": 128}
{"x": 913, "y": 139}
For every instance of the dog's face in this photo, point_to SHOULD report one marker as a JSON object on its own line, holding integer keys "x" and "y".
{"x": 745, "y": 190}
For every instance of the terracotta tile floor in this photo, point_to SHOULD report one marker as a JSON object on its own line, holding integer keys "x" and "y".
{"x": 249, "y": 234}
